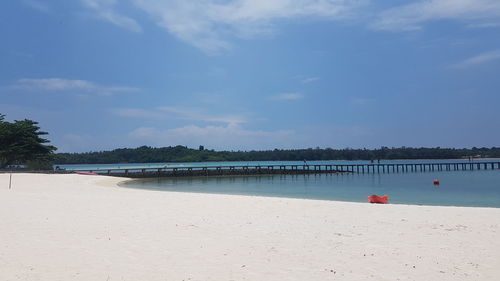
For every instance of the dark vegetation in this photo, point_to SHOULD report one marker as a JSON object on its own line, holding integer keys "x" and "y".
{"x": 21, "y": 142}
{"x": 145, "y": 154}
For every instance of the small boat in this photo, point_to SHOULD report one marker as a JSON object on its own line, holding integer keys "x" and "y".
{"x": 378, "y": 200}
{"x": 86, "y": 173}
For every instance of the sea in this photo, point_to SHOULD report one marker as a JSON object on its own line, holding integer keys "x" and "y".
{"x": 476, "y": 188}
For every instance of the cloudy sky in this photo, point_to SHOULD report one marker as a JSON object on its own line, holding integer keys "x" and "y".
{"x": 253, "y": 74}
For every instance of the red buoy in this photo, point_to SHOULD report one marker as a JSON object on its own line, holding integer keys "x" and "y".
{"x": 436, "y": 182}
{"x": 378, "y": 200}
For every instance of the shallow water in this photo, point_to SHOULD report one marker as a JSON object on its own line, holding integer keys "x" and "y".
{"x": 457, "y": 188}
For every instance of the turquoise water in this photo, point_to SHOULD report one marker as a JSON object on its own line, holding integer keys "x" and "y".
{"x": 457, "y": 188}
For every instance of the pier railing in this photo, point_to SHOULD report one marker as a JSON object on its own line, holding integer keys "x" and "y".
{"x": 180, "y": 171}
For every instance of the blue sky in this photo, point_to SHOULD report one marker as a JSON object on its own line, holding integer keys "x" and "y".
{"x": 253, "y": 74}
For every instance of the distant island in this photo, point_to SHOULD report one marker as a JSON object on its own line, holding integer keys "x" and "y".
{"x": 146, "y": 154}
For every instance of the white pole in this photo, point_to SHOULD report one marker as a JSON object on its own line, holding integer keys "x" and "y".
{"x": 10, "y": 180}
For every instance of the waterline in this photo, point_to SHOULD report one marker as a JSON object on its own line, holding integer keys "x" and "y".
{"x": 457, "y": 188}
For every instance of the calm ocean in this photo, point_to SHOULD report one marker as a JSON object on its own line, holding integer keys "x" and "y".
{"x": 457, "y": 188}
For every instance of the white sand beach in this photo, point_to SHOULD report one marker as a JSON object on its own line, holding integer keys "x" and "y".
{"x": 80, "y": 227}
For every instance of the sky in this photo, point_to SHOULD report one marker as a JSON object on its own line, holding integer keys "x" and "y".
{"x": 253, "y": 74}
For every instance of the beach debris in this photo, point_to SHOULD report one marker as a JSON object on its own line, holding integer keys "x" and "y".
{"x": 378, "y": 200}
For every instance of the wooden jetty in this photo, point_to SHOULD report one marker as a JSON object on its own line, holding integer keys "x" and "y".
{"x": 187, "y": 171}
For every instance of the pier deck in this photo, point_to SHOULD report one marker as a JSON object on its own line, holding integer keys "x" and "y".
{"x": 186, "y": 171}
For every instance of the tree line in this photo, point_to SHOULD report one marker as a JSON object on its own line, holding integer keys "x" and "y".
{"x": 146, "y": 154}
{"x": 21, "y": 143}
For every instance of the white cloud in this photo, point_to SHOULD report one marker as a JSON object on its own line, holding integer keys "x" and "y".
{"x": 75, "y": 142}
{"x": 138, "y": 113}
{"x": 200, "y": 115}
{"x": 287, "y": 96}
{"x": 105, "y": 10}
{"x": 484, "y": 25}
{"x": 53, "y": 84}
{"x": 206, "y": 24}
{"x": 60, "y": 84}
{"x": 231, "y": 136}
{"x": 211, "y": 25}
{"x": 339, "y": 136}
{"x": 191, "y": 114}
{"x": 309, "y": 80}
{"x": 82, "y": 142}
{"x": 37, "y": 5}
{"x": 479, "y": 59}
{"x": 413, "y": 16}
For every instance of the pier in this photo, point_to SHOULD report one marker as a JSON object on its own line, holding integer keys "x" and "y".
{"x": 196, "y": 171}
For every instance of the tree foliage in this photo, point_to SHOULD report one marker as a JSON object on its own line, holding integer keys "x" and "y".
{"x": 145, "y": 154}
{"x": 21, "y": 142}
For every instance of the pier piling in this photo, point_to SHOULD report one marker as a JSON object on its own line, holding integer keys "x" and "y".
{"x": 296, "y": 169}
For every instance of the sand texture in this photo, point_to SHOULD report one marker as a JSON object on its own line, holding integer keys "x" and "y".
{"x": 79, "y": 227}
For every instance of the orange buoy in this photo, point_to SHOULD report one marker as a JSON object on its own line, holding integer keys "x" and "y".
{"x": 378, "y": 200}
{"x": 436, "y": 182}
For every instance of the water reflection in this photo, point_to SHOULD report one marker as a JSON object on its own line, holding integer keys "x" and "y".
{"x": 460, "y": 188}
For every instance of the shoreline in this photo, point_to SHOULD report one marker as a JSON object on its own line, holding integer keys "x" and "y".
{"x": 79, "y": 227}
{"x": 291, "y": 198}
{"x": 412, "y": 189}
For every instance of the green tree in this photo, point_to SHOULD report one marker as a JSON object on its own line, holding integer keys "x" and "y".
{"x": 21, "y": 142}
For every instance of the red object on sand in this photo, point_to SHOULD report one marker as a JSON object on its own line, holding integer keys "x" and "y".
{"x": 377, "y": 199}
{"x": 86, "y": 173}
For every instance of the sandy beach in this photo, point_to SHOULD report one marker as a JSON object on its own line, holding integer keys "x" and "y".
{"x": 79, "y": 227}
